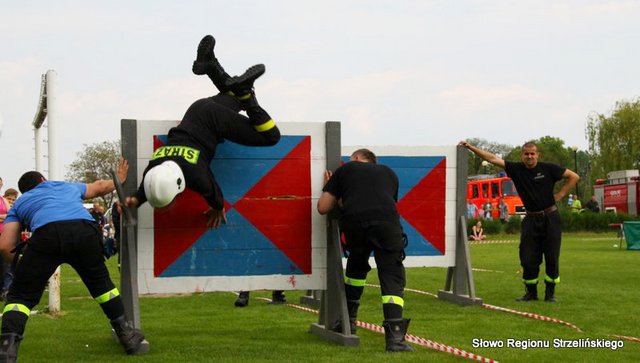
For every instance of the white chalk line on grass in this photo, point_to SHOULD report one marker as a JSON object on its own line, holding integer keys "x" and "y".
{"x": 485, "y": 270}
{"x": 408, "y": 337}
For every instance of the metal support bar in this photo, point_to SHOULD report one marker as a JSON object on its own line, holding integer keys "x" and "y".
{"x": 129, "y": 245}
{"x": 460, "y": 277}
{"x": 333, "y": 306}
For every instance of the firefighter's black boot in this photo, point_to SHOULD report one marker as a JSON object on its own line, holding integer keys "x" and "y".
{"x": 242, "y": 85}
{"x": 550, "y": 292}
{"x": 352, "y": 310}
{"x": 130, "y": 338}
{"x": 531, "y": 293}
{"x": 277, "y": 297}
{"x": 394, "y": 331}
{"x": 9, "y": 343}
{"x": 207, "y": 63}
{"x": 204, "y": 56}
{"x": 243, "y": 299}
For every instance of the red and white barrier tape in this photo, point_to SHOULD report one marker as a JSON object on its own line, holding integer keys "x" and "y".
{"x": 430, "y": 344}
{"x": 501, "y": 241}
{"x": 499, "y": 308}
{"x": 509, "y": 241}
{"x": 413, "y": 290}
{"x": 531, "y": 315}
{"x": 633, "y": 339}
{"x": 410, "y": 338}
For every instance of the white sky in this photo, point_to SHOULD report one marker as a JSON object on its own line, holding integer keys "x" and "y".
{"x": 393, "y": 72}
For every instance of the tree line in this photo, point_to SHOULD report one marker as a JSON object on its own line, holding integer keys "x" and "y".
{"x": 613, "y": 144}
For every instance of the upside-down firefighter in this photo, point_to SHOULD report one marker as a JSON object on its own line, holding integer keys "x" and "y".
{"x": 185, "y": 159}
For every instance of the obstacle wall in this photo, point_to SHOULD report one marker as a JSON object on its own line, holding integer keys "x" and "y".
{"x": 273, "y": 238}
{"x": 427, "y": 198}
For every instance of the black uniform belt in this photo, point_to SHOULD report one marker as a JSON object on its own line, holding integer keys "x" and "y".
{"x": 551, "y": 209}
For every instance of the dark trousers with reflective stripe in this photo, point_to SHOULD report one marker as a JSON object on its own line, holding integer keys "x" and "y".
{"x": 384, "y": 239}
{"x": 236, "y": 127}
{"x": 76, "y": 242}
{"x": 541, "y": 236}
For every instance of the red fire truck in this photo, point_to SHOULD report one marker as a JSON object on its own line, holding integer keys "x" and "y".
{"x": 483, "y": 188}
{"x": 620, "y": 192}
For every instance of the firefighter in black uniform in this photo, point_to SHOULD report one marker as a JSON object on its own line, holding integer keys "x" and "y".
{"x": 368, "y": 193}
{"x": 541, "y": 227}
{"x": 184, "y": 160}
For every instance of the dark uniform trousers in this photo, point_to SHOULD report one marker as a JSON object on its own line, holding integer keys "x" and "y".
{"x": 76, "y": 242}
{"x": 385, "y": 240}
{"x": 256, "y": 130}
{"x": 541, "y": 235}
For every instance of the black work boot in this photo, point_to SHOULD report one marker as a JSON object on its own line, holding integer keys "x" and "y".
{"x": 207, "y": 63}
{"x": 242, "y": 85}
{"x": 243, "y": 299}
{"x": 130, "y": 338}
{"x": 204, "y": 56}
{"x": 9, "y": 343}
{"x": 277, "y": 297}
{"x": 549, "y": 292}
{"x": 531, "y": 293}
{"x": 352, "y": 310}
{"x": 394, "y": 331}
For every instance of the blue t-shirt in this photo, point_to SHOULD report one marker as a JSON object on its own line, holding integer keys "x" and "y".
{"x": 49, "y": 201}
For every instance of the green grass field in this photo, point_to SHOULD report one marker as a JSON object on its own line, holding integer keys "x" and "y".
{"x": 599, "y": 294}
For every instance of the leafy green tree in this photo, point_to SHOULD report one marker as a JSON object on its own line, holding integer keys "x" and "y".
{"x": 475, "y": 165}
{"x": 553, "y": 150}
{"x": 94, "y": 163}
{"x": 614, "y": 140}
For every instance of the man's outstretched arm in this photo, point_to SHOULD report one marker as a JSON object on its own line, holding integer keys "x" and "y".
{"x": 490, "y": 157}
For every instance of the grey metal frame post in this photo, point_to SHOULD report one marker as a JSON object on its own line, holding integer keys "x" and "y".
{"x": 333, "y": 306}
{"x": 461, "y": 275}
{"x": 128, "y": 243}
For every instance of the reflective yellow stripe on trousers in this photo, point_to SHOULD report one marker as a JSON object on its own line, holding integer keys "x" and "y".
{"x": 107, "y": 296}
{"x": 354, "y": 282}
{"x": 392, "y": 299}
{"x": 265, "y": 126}
{"x": 17, "y": 307}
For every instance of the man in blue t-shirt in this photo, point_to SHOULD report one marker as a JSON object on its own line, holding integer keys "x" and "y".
{"x": 541, "y": 227}
{"x": 63, "y": 232}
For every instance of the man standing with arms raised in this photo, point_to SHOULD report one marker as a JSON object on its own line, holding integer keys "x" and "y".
{"x": 541, "y": 228}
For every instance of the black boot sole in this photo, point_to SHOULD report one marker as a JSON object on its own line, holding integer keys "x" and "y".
{"x": 202, "y": 64}
{"x": 244, "y": 82}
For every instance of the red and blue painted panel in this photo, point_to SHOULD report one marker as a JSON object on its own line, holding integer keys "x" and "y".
{"x": 267, "y": 193}
{"x": 421, "y": 201}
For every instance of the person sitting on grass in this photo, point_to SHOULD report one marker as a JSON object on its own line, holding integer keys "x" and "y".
{"x": 477, "y": 232}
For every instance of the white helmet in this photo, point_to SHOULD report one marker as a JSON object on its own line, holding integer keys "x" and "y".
{"x": 162, "y": 183}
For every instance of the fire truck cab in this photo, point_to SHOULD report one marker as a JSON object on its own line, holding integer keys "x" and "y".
{"x": 483, "y": 188}
{"x": 620, "y": 192}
